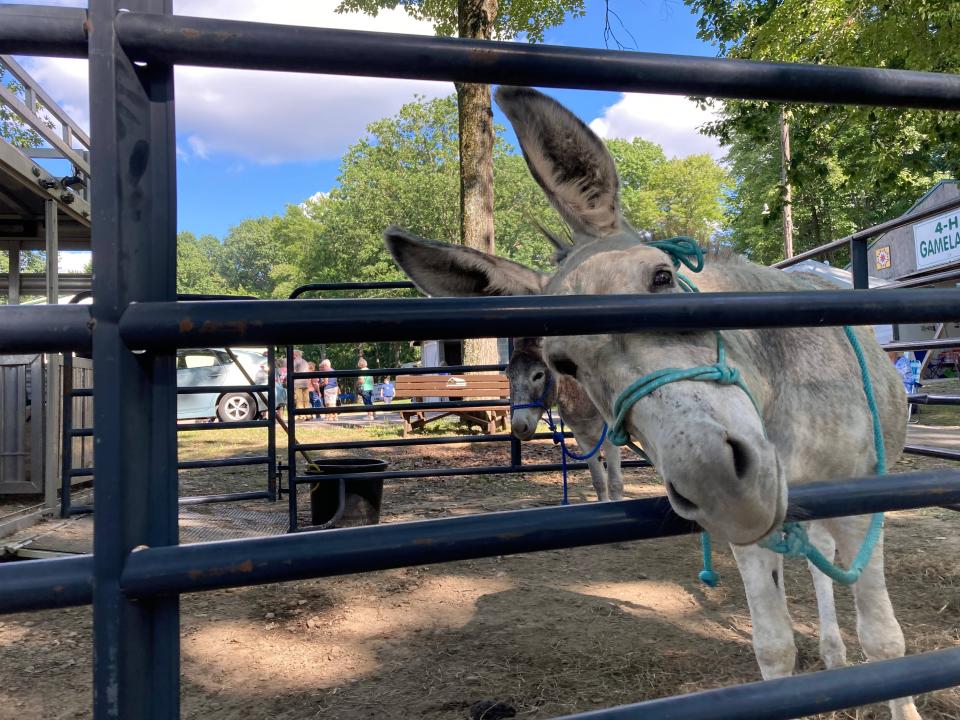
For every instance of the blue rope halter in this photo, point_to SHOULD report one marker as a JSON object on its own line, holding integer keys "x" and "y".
{"x": 792, "y": 539}
{"x": 559, "y": 434}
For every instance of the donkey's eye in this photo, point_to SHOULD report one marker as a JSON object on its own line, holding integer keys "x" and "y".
{"x": 662, "y": 278}
{"x": 538, "y": 376}
{"x": 565, "y": 366}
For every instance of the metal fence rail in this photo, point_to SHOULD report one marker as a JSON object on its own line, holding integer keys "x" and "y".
{"x": 137, "y": 570}
{"x": 861, "y": 236}
{"x": 159, "y": 325}
{"x": 801, "y": 695}
{"x": 296, "y": 446}
{"x": 165, "y": 326}
{"x": 153, "y": 37}
{"x": 160, "y": 571}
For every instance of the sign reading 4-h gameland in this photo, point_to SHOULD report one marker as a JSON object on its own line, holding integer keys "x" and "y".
{"x": 937, "y": 240}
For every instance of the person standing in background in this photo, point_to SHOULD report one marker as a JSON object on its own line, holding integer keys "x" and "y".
{"x": 388, "y": 390}
{"x": 316, "y": 399}
{"x": 329, "y": 387}
{"x": 301, "y": 386}
{"x": 365, "y": 388}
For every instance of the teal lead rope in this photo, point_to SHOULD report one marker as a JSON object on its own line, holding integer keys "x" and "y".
{"x": 791, "y": 540}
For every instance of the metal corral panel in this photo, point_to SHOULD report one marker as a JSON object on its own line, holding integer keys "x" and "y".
{"x": 21, "y": 434}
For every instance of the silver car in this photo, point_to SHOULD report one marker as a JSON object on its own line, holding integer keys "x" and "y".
{"x": 213, "y": 366}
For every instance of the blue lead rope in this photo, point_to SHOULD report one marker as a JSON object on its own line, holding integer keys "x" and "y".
{"x": 792, "y": 539}
{"x": 559, "y": 434}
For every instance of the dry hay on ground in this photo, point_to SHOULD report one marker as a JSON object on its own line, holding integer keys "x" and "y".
{"x": 547, "y": 633}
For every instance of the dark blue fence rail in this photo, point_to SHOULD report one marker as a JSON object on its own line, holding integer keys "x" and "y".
{"x": 266, "y": 392}
{"x": 159, "y": 571}
{"x": 297, "y": 447}
{"x": 137, "y": 571}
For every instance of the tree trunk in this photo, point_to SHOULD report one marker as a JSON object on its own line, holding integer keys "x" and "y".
{"x": 475, "y": 20}
{"x": 787, "y": 189}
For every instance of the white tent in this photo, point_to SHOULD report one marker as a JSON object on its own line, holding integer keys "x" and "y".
{"x": 843, "y": 279}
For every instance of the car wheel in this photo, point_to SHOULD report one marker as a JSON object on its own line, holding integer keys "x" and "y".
{"x": 236, "y": 407}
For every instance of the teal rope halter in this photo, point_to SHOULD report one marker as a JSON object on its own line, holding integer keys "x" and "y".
{"x": 791, "y": 540}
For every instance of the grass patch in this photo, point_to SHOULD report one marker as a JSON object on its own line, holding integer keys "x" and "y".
{"x": 939, "y": 414}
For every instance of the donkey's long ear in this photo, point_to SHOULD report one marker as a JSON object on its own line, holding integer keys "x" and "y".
{"x": 443, "y": 270}
{"x": 566, "y": 158}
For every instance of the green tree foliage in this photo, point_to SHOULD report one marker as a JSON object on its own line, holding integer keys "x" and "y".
{"x": 33, "y": 261}
{"x": 851, "y": 166}
{"x": 197, "y": 260}
{"x": 249, "y": 255}
{"x": 514, "y": 17}
{"x": 405, "y": 172}
{"x": 679, "y": 196}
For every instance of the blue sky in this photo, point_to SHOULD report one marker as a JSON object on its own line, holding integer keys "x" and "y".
{"x": 248, "y": 144}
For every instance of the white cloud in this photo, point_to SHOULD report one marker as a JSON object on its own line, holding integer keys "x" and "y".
{"x": 669, "y": 120}
{"x": 199, "y": 147}
{"x": 265, "y": 117}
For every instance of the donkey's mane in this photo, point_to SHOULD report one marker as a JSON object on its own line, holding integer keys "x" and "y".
{"x": 723, "y": 255}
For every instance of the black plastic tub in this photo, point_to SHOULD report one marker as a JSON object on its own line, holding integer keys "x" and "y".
{"x": 343, "y": 502}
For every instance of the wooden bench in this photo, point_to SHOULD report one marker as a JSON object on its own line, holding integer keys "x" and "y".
{"x": 426, "y": 388}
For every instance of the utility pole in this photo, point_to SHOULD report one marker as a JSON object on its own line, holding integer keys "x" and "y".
{"x": 786, "y": 188}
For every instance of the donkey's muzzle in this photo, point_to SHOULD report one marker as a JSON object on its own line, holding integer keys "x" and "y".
{"x": 729, "y": 483}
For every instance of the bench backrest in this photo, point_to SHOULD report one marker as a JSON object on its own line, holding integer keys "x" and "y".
{"x": 454, "y": 386}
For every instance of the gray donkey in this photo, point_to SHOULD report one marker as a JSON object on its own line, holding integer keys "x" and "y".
{"x": 726, "y": 456}
{"x": 534, "y": 384}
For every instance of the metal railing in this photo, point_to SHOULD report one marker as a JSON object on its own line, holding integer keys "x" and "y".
{"x": 137, "y": 572}
{"x": 857, "y": 242}
{"x": 296, "y": 447}
{"x": 68, "y": 473}
{"x": 62, "y": 137}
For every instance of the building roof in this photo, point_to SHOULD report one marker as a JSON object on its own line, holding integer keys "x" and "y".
{"x": 916, "y": 206}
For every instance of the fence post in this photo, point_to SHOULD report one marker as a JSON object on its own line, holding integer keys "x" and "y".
{"x": 51, "y": 405}
{"x": 66, "y": 425}
{"x": 291, "y": 442}
{"x": 136, "y": 644}
{"x": 272, "y": 419}
{"x": 858, "y": 256}
{"x": 516, "y": 447}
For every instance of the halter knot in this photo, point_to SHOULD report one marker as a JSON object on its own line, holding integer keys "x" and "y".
{"x": 790, "y": 540}
{"x": 682, "y": 251}
{"x": 726, "y": 375}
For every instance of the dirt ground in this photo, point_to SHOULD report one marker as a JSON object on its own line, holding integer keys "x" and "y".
{"x": 547, "y": 633}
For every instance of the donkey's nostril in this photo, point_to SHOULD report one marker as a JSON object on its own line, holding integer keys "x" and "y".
{"x": 683, "y": 505}
{"x": 743, "y": 458}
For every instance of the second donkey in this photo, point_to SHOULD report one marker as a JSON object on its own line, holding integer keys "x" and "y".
{"x": 532, "y": 382}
